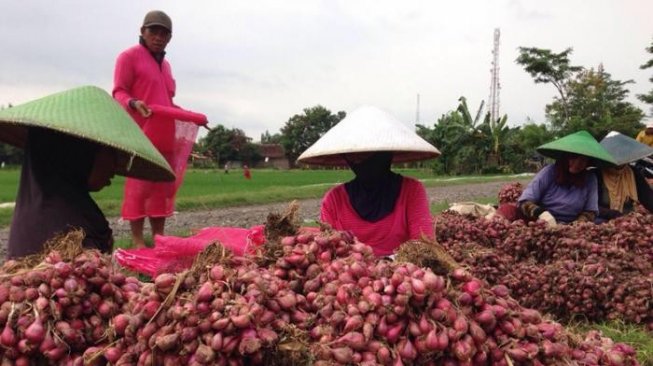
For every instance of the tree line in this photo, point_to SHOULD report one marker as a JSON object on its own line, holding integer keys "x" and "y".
{"x": 471, "y": 143}
{"x": 588, "y": 98}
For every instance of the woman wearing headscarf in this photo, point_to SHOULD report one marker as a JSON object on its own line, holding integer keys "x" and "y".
{"x": 381, "y": 208}
{"x": 58, "y": 173}
{"x": 621, "y": 187}
{"x": 74, "y": 142}
{"x": 565, "y": 191}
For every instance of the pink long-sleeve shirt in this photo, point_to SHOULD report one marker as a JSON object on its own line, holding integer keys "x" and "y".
{"x": 137, "y": 75}
{"x": 410, "y": 218}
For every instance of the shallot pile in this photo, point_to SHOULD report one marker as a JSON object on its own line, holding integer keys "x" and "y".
{"x": 323, "y": 300}
{"x": 59, "y": 312}
{"x": 593, "y": 272}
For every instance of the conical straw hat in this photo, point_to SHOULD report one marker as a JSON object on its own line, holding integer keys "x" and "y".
{"x": 625, "y": 149}
{"x": 90, "y": 113}
{"x": 581, "y": 143}
{"x": 368, "y": 129}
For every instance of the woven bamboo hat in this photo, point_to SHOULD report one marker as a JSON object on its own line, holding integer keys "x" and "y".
{"x": 364, "y": 130}
{"x": 89, "y": 113}
{"x": 625, "y": 149}
{"x": 581, "y": 143}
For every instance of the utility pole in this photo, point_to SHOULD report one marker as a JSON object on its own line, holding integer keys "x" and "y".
{"x": 417, "y": 110}
{"x": 495, "y": 85}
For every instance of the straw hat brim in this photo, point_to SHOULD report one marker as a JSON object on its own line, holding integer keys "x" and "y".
{"x": 89, "y": 113}
{"x": 580, "y": 143}
{"x": 625, "y": 149}
{"x": 368, "y": 129}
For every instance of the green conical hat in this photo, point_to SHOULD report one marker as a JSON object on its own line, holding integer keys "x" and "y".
{"x": 90, "y": 113}
{"x": 625, "y": 149}
{"x": 581, "y": 143}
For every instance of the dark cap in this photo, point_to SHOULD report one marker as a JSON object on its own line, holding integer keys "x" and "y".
{"x": 157, "y": 17}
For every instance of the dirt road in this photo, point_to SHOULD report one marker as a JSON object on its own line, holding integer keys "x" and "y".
{"x": 246, "y": 216}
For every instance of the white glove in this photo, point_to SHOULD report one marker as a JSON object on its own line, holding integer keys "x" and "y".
{"x": 548, "y": 218}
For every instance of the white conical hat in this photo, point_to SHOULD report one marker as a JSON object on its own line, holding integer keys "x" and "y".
{"x": 368, "y": 129}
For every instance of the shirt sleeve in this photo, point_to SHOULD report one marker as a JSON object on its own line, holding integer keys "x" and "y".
{"x": 644, "y": 191}
{"x": 536, "y": 188}
{"x": 328, "y": 209}
{"x": 592, "y": 203}
{"x": 418, "y": 213}
{"x": 123, "y": 80}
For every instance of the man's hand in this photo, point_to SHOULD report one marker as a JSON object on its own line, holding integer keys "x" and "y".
{"x": 141, "y": 108}
{"x": 548, "y": 218}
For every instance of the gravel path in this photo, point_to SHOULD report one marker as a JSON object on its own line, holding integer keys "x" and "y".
{"x": 246, "y": 216}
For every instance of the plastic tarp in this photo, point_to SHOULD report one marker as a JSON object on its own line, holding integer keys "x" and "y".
{"x": 171, "y": 254}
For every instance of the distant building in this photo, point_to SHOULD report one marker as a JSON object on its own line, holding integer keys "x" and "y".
{"x": 197, "y": 160}
{"x": 274, "y": 156}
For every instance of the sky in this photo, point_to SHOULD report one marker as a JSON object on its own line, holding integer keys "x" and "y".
{"x": 254, "y": 64}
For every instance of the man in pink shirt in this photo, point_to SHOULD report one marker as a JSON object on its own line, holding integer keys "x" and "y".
{"x": 143, "y": 78}
{"x": 383, "y": 209}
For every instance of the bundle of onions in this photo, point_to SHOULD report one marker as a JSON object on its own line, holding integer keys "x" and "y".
{"x": 58, "y": 310}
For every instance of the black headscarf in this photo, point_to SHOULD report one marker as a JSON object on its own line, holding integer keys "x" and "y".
{"x": 374, "y": 191}
{"x": 53, "y": 194}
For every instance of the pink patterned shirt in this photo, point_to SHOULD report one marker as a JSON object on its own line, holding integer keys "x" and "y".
{"x": 410, "y": 219}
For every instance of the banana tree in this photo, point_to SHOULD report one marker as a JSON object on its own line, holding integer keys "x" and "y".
{"x": 498, "y": 132}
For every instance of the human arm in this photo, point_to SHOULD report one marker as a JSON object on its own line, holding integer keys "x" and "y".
{"x": 418, "y": 213}
{"x": 534, "y": 212}
{"x": 328, "y": 209}
{"x": 644, "y": 191}
{"x": 123, "y": 80}
{"x": 591, "y": 208}
{"x": 608, "y": 213}
{"x": 530, "y": 200}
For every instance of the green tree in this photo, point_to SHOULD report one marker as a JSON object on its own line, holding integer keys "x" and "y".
{"x": 648, "y": 97}
{"x": 250, "y": 154}
{"x": 225, "y": 144}
{"x": 546, "y": 66}
{"x": 497, "y": 132}
{"x": 266, "y": 138}
{"x": 302, "y": 130}
{"x": 474, "y": 140}
{"x": 451, "y": 135}
{"x": 596, "y": 103}
{"x": 443, "y": 135}
{"x": 519, "y": 146}
{"x": 532, "y": 135}
{"x": 461, "y": 138}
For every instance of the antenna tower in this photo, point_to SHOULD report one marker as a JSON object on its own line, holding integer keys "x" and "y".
{"x": 495, "y": 85}
{"x": 417, "y": 110}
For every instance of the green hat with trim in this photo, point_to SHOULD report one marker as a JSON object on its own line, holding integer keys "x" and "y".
{"x": 625, "y": 149}
{"x": 581, "y": 143}
{"x": 89, "y": 113}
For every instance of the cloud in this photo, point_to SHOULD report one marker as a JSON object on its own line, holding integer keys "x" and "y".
{"x": 254, "y": 64}
{"x": 523, "y": 14}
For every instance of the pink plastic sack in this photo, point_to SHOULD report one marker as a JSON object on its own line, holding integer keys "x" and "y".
{"x": 173, "y": 131}
{"x": 172, "y": 254}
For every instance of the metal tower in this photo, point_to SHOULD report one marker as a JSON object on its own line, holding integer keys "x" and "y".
{"x": 495, "y": 85}
{"x": 417, "y": 110}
